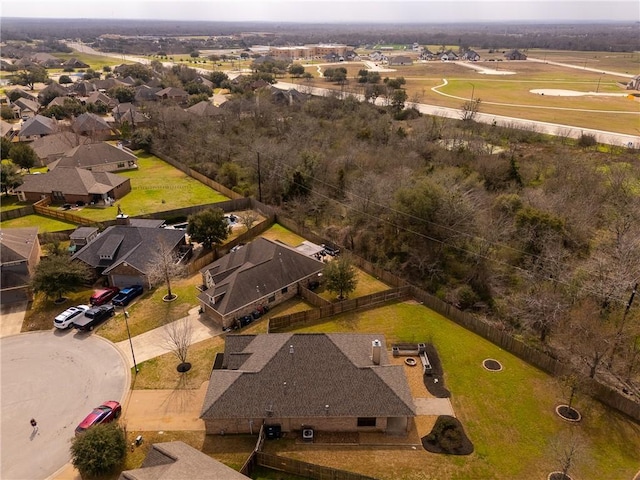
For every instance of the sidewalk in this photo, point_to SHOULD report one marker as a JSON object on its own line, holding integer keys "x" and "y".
{"x": 153, "y": 343}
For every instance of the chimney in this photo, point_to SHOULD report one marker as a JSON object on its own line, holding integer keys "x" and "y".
{"x": 376, "y": 348}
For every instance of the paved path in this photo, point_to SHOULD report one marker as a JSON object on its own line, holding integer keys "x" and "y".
{"x": 433, "y": 406}
{"x": 56, "y": 378}
{"x": 154, "y": 343}
{"x": 12, "y": 318}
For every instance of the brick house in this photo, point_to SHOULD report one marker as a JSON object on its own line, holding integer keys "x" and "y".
{"x": 98, "y": 157}
{"x": 330, "y": 382}
{"x": 19, "y": 255}
{"x": 261, "y": 273}
{"x": 72, "y": 185}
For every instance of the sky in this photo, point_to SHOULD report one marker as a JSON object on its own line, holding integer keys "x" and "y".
{"x": 334, "y": 11}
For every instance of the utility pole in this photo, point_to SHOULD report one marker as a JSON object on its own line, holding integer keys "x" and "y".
{"x": 259, "y": 180}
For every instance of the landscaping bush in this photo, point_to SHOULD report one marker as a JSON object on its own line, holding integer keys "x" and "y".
{"x": 447, "y": 436}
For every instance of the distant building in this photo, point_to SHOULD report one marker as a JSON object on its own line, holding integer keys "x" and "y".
{"x": 19, "y": 255}
{"x": 515, "y": 55}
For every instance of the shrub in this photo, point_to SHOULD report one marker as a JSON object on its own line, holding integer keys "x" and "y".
{"x": 99, "y": 450}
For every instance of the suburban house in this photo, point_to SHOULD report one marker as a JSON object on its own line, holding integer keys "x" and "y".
{"x": 515, "y": 55}
{"x": 52, "y": 90}
{"x": 73, "y": 185}
{"x": 634, "y": 83}
{"x": 80, "y": 237}
{"x": 99, "y": 98}
{"x": 337, "y": 382}
{"x": 24, "y": 108}
{"x": 448, "y": 56}
{"x": 127, "y": 112}
{"x": 174, "y": 94}
{"x": 93, "y": 126}
{"x": 53, "y": 146}
{"x": 46, "y": 60}
{"x": 37, "y": 127}
{"x": 471, "y": 56}
{"x": 400, "y": 60}
{"x": 97, "y": 157}
{"x": 204, "y": 109}
{"x": 262, "y": 273}
{"x": 75, "y": 63}
{"x": 6, "y": 129}
{"x": 19, "y": 255}
{"x": 125, "y": 253}
{"x": 177, "y": 460}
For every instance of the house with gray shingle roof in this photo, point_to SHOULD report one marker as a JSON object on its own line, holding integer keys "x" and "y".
{"x": 72, "y": 185}
{"x": 53, "y": 146}
{"x": 93, "y": 126}
{"x": 179, "y": 461}
{"x": 97, "y": 157}
{"x": 19, "y": 255}
{"x": 330, "y": 382}
{"x": 262, "y": 273}
{"x": 125, "y": 253}
{"x": 37, "y": 127}
{"x": 25, "y": 108}
{"x": 174, "y": 94}
{"x": 400, "y": 60}
{"x": 204, "y": 109}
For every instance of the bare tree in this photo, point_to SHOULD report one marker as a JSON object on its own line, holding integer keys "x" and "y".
{"x": 164, "y": 267}
{"x": 178, "y": 339}
{"x": 470, "y": 109}
{"x": 248, "y": 218}
{"x": 568, "y": 449}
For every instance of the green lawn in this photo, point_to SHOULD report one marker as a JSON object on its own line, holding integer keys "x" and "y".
{"x": 45, "y": 224}
{"x": 11, "y": 202}
{"x": 156, "y": 186}
{"x": 96, "y": 62}
{"x": 509, "y": 416}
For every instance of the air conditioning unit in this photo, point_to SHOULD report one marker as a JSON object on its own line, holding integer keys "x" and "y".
{"x": 307, "y": 434}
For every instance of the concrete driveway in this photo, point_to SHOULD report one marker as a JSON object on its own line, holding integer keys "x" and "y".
{"x": 56, "y": 378}
{"x": 12, "y": 318}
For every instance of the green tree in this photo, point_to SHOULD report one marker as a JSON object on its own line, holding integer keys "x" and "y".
{"x": 340, "y": 276}
{"x": 123, "y": 94}
{"x": 56, "y": 275}
{"x": 64, "y": 79}
{"x": 142, "y": 138}
{"x": 6, "y": 113}
{"x": 296, "y": 70}
{"x": 10, "y": 176}
{"x": 31, "y": 76}
{"x": 99, "y": 450}
{"x": 194, "y": 54}
{"x": 218, "y": 78}
{"x": 23, "y": 155}
{"x": 398, "y": 97}
{"x": 208, "y": 227}
{"x": 5, "y": 146}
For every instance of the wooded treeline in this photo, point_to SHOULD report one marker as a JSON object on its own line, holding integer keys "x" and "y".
{"x": 538, "y": 235}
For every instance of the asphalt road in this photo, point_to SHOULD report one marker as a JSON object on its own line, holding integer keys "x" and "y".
{"x": 56, "y": 378}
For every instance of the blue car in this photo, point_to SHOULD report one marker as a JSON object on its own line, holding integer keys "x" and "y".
{"x": 125, "y": 296}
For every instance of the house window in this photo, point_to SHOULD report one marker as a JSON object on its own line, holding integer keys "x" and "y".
{"x": 121, "y": 165}
{"x": 284, "y": 290}
{"x": 366, "y": 421}
{"x": 57, "y": 195}
{"x": 271, "y": 299}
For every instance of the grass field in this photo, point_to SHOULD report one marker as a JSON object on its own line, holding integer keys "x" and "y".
{"x": 156, "y": 186}
{"x": 45, "y": 224}
{"x": 509, "y": 416}
{"x": 96, "y": 62}
{"x": 511, "y": 95}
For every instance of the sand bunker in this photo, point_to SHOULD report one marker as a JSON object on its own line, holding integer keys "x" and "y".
{"x": 554, "y": 92}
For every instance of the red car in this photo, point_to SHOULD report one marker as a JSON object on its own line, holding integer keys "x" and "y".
{"x": 105, "y": 413}
{"x": 102, "y": 296}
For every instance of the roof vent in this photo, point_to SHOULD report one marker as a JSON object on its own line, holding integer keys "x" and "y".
{"x": 291, "y": 349}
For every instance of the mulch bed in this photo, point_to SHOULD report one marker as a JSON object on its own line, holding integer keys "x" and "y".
{"x": 558, "y": 476}
{"x": 435, "y": 381}
{"x": 568, "y": 413}
{"x": 448, "y": 437}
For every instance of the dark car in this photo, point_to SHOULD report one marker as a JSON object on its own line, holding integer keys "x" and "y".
{"x": 102, "y": 296}
{"x": 93, "y": 316}
{"x": 125, "y": 296}
{"x": 105, "y": 413}
{"x": 329, "y": 250}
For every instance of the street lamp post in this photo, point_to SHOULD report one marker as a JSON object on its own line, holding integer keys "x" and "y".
{"x": 126, "y": 321}
{"x": 473, "y": 89}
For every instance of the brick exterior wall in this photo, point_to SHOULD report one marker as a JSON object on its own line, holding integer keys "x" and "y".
{"x": 328, "y": 424}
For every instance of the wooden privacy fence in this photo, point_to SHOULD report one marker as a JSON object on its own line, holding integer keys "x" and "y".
{"x": 356, "y": 304}
{"x": 42, "y": 208}
{"x": 304, "y": 469}
{"x": 17, "y": 213}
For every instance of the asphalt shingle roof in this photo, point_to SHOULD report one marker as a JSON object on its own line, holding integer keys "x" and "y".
{"x": 288, "y": 375}
{"x": 38, "y": 125}
{"x": 94, "y": 154}
{"x": 16, "y": 244}
{"x": 258, "y": 269}
{"x": 71, "y": 181}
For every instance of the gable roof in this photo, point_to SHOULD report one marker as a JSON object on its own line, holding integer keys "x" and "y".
{"x": 57, "y": 143}
{"x": 172, "y": 92}
{"x": 126, "y": 243}
{"x": 204, "y": 109}
{"x": 287, "y": 375}
{"x": 93, "y": 154}
{"x": 99, "y": 97}
{"x": 72, "y": 181}
{"x": 258, "y": 269}
{"x": 5, "y": 128}
{"x": 179, "y": 461}
{"x": 55, "y": 88}
{"x": 90, "y": 122}
{"x": 26, "y": 104}
{"x": 17, "y": 244}
{"x": 38, "y": 125}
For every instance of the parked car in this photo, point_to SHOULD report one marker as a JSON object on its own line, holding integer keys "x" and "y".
{"x": 65, "y": 319}
{"x": 105, "y": 413}
{"x": 94, "y": 316}
{"x": 124, "y": 297}
{"x": 102, "y": 296}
